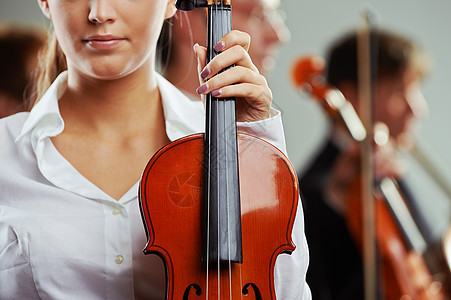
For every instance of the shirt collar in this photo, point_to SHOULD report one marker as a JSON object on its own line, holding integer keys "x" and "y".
{"x": 46, "y": 117}
{"x": 182, "y": 116}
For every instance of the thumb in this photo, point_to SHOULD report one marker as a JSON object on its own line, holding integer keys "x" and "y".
{"x": 201, "y": 54}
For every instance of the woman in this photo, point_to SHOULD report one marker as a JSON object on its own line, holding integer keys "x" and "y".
{"x": 70, "y": 226}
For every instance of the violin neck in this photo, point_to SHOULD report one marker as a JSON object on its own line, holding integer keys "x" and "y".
{"x": 222, "y": 213}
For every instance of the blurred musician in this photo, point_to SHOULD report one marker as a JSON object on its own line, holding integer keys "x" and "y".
{"x": 336, "y": 270}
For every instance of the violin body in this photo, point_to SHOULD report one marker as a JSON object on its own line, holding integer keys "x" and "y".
{"x": 172, "y": 201}
{"x": 218, "y": 207}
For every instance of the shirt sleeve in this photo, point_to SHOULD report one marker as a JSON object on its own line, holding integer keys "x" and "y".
{"x": 270, "y": 130}
{"x": 290, "y": 269}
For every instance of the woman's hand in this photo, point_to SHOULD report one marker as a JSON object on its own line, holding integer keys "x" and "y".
{"x": 243, "y": 81}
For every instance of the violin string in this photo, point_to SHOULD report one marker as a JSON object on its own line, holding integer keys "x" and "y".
{"x": 228, "y": 193}
{"x": 229, "y": 27}
{"x": 226, "y": 127}
{"x": 217, "y": 176}
{"x": 228, "y": 22}
{"x": 209, "y": 112}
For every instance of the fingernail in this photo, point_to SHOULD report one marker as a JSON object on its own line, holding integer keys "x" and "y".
{"x": 194, "y": 48}
{"x": 216, "y": 93}
{"x": 206, "y": 71}
{"x": 202, "y": 88}
{"x": 219, "y": 46}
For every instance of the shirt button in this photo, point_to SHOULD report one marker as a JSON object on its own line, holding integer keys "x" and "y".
{"x": 117, "y": 211}
{"x": 119, "y": 259}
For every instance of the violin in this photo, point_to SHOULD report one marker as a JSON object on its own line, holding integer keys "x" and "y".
{"x": 403, "y": 271}
{"x": 219, "y": 207}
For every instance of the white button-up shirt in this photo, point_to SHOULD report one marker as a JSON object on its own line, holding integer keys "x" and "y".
{"x": 61, "y": 237}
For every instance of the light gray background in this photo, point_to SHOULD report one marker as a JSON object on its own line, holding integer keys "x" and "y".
{"x": 313, "y": 24}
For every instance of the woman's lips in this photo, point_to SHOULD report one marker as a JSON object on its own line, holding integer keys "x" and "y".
{"x": 103, "y": 42}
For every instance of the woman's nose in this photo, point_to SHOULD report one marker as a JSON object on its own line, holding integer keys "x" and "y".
{"x": 101, "y": 11}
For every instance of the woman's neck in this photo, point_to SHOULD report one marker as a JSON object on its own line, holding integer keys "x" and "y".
{"x": 111, "y": 126}
{"x": 106, "y": 106}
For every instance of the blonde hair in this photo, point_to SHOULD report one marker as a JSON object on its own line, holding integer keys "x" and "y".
{"x": 51, "y": 63}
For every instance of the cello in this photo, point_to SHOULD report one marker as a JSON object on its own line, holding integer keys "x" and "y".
{"x": 404, "y": 272}
{"x": 210, "y": 202}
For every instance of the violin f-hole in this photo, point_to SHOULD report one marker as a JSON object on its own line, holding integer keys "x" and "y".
{"x": 198, "y": 291}
{"x": 258, "y": 295}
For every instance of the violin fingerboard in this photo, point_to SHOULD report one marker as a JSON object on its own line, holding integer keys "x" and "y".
{"x": 222, "y": 214}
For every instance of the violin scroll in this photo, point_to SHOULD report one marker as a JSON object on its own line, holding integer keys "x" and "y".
{"x": 188, "y": 5}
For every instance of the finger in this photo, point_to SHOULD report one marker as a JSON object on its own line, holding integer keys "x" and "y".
{"x": 234, "y": 56}
{"x": 201, "y": 54}
{"x": 233, "y": 38}
{"x": 252, "y": 102}
{"x": 234, "y": 48}
{"x": 255, "y": 95}
{"x": 232, "y": 76}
